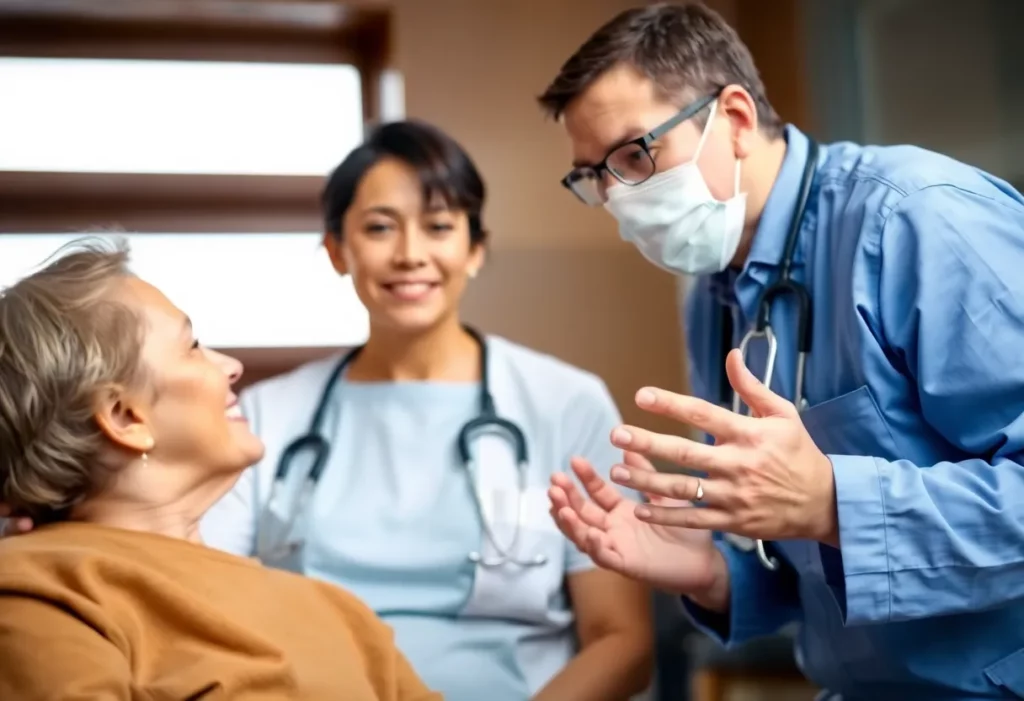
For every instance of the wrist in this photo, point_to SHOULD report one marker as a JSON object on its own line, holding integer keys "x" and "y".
{"x": 715, "y": 596}
{"x": 825, "y": 528}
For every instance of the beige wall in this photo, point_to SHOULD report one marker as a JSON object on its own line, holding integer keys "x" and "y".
{"x": 559, "y": 278}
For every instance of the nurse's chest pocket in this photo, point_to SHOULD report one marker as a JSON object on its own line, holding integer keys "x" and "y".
{"x": 521, "y": 563}
{"x": 850, "y": 424}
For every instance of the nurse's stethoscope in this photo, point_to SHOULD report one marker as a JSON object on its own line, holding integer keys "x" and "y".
{"x": 487, "y": 421}
{"x": 762, "y": 328}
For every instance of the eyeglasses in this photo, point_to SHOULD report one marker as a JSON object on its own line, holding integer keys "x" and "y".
{"x": 630, "y": 163}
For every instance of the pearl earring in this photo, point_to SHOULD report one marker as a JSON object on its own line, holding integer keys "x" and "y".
{"x": 145, "y": 459}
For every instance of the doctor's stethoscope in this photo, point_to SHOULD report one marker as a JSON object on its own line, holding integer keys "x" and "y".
{"x": 486, "y": 421}
{"x": 762, "y": 328}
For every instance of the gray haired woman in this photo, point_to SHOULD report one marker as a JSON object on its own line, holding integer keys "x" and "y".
{"x": 118, "y": 430}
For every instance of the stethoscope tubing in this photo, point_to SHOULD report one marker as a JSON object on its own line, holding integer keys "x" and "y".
{"x": 487, "y": 420}
{"x": 784, "y": 285}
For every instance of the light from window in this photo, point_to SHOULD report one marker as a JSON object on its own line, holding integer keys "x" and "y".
{"x": 241, "y": 290}
{"x": 136, "y": 116}
{"x": 392, "y": 96}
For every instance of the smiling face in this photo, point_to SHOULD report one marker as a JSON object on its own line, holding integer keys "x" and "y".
{"x": 186, "y": 409}
{"x": 409, "y": 256}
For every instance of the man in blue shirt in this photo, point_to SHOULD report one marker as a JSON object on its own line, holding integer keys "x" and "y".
{"x": 890, "y": 493}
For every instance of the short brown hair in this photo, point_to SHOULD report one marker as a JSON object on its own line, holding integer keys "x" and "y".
{"x": 63, "y": 339}
{"x": 687, "y": 50}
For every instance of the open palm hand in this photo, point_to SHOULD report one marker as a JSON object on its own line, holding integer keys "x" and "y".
{"x": 606, "y": 528}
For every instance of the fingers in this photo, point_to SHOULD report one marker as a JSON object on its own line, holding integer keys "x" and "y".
{"x": 592, "y": 541}
{"x": 603, "y": 494}
{"x": 693, "y": 411}
{"x": 675, "y": 449}
{"x": 671, "y": 486}
{"x": 705, "y": 519}
{"x": 558, "y": 498}
{"x": 589, "y": 512}
{"x": 761, "y": 400}
{"x": 572, "y": 527}
{"x": 559, "y": 502}
{"x": 637, "y": 461}
{"x": 12, "y": 526}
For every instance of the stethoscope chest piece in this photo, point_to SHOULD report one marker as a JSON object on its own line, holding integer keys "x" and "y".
{"x": 281, "y": 527}
{"x": 494, "y": 455}
{"x": 538, "y": 560}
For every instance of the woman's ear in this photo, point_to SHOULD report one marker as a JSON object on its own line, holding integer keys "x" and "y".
{"x": 477, "y": 258}
{"x": 123, "y": 419}
{"x": 332, "y": 242}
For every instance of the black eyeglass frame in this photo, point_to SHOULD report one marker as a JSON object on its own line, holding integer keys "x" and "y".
{"x": 643, "y": 142}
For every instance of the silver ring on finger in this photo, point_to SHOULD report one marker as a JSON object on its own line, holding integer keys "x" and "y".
{"x": 699, "y": 494}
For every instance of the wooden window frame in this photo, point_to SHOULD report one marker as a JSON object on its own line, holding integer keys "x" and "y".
{"x": 209, "y": 30}
{"x": 32, "y": 202}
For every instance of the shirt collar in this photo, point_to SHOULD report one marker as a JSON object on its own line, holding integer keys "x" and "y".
{"x": 770, "y": 237}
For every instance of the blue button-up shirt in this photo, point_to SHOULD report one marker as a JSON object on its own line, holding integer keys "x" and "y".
{"x": 915, "y": 391}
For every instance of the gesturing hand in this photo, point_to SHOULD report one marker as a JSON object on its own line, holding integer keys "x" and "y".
{"x": 765, "y": 479}
{"x": 606, "y": 528}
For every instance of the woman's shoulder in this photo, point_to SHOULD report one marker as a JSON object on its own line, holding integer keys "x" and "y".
{"x": 65, "y": 550}
{"x": 47, "y": 546}
{"x": 114, "y": 576}
{"x": 69, "y": 565}
{"x": 296, "y": 382}
{"x": 546, "y": 372}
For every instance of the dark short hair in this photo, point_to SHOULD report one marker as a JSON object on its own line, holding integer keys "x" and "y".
{"x": 687, "y": 50}
{"x": 442, "y": 165}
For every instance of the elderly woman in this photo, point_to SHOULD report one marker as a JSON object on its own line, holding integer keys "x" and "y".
{"x": 118, "y": 431}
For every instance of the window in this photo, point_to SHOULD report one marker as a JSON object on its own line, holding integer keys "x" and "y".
{"x": 195, "y": 117}
{"x": 242, "y": 291}
{"x": 205, "y": 133}
{"x": 943, "y": 74}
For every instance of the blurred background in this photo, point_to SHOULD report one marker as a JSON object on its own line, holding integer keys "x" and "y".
{"x": 204, "y": 128}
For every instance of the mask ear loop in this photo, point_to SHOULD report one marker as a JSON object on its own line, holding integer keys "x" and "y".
{"x": 707, "y": 130}
{"x": 739, "y": 162}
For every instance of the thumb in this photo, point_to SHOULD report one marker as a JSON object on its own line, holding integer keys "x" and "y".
{"x": 761, "y": 400}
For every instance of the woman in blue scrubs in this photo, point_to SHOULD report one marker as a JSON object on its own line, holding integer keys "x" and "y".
{"x": 393, "y": 518}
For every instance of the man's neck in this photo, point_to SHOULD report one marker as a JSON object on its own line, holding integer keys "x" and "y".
{"x": 446, "y": 353}
{"x": 761, "y": 171}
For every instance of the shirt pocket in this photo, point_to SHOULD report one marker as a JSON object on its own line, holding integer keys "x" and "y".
{"x": 850, "y": 424}
{"x": 1008, "y": 674}
{"x": 510, "y": 590}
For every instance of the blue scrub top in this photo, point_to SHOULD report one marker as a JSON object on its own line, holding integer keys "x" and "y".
{"x": 393, "y": 519}
{"x": 915, "y": 382}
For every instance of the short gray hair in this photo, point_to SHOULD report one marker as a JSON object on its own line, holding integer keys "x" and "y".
{"x": 64, "y": 339}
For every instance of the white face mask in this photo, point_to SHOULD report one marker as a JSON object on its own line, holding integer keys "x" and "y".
{"x": 675, "y": 221}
